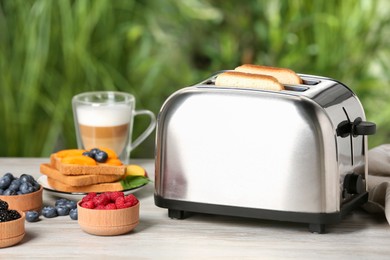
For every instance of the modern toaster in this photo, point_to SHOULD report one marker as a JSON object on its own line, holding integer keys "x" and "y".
{"x": 287, "y": 155}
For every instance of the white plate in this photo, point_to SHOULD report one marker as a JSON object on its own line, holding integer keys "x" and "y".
{"x": 72, "y": 195}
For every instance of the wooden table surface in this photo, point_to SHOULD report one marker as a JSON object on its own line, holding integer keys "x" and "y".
{"x": 359, "y": 236}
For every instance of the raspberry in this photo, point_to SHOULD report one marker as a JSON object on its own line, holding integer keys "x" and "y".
{"x": 88, "y": 204}
{"x": 131, "y": 200}
{"x": 89, "y": 196}
{"x": 100, "y": 207}
{"x": 108, "y": 200}
{"x": 110, "y": 206}
{"x": 120, "y": 203}
{"x": 101, "y": 199}
{"x": 116, "y": 194}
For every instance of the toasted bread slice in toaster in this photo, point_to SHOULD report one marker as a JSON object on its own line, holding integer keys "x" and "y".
{"x": 283, "y": 75}
{"x": 237, "y": 79}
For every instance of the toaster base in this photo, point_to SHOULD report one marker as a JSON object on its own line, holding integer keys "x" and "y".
{"x": 181, "y": 209}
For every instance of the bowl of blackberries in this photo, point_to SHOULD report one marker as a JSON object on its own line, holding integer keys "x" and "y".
{"x": 11, "y": 225}
{"x": 21, "y": 193}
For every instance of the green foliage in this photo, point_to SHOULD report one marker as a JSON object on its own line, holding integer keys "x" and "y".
{"x": 52, "y": 50}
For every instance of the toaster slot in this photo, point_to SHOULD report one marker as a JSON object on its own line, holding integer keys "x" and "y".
{"x": 310, "y": 82}
{"x": 295, "y": 88}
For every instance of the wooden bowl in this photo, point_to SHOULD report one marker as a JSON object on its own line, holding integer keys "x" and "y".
{"x": 108, "y": 222}
{"x": 12, "y": 232}
{"x": 25, "y": 202}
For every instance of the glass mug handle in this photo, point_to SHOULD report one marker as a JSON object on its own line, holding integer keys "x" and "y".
{"x": 147, "y": 131}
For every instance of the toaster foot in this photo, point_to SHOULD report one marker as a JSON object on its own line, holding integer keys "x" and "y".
{"x": 317, "y": 228}
{"x": 177, "y": 214}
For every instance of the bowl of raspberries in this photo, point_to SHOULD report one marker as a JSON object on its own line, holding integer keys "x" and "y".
{"x": 11, "y": 225}
{"x": 108, "y": 213}
{"x": 21, "y": 193}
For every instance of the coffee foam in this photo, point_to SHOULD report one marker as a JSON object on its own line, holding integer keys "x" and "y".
{"x": 103, "y": 115}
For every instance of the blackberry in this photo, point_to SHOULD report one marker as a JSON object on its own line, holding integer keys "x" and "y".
{"x": 3, "y": 205}
{"x": 13, "y": 214}
{"x": 8, "y": 215}
{"x": 3, "y": 215}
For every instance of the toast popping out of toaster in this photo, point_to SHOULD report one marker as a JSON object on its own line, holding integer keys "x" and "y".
{"x": 287, "y": 155}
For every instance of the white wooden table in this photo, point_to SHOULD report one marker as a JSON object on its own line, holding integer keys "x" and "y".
{"x": 359, "y": 236}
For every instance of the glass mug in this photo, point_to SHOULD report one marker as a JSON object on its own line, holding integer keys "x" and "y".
{"x": 105, "y": 119}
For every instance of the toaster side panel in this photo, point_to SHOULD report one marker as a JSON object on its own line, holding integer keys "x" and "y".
{"x": 248, "y": 149}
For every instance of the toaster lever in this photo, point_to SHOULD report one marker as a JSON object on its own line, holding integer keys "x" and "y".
{"x": 360, "y": 127}
{"x": 357, "y": 127}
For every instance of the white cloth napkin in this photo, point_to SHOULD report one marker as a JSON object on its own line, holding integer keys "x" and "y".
{"x": 378, "y": 180}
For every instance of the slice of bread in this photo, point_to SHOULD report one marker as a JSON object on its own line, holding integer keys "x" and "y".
{"x": 101, "y": 187}
{"x": 76, "y": 180}
{"x": 79, "y": 169}
{"x": 237, "y": 79}
{"x": 74, "y": 169}
{"x": 283, "y": 75}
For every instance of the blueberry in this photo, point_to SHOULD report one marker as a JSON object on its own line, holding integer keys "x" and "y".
{"x": 73, "y": 214}
{"x": 14, "y": 185}
{"x": 5, "y": 181}
{"x": 71, "y": 204}
{"x": 9, "y": 192}
{"x": 26, "y": 187}
{"x": 31, "y": 189}
{"x": 26, "y": 178}
{"x": 10, "y": 175}
{"x": 61, "y": 202}
{"x": 89, "y": 155}
{"x": 62, "y": 210}
{"x": 94, "y": 151}
{"x": 49, "y": 212}
{"x": 1, "y": 191}
{"x": 101, "y": 156}
{"x": 36, "y": 186}
{"x": 32, "y": 216}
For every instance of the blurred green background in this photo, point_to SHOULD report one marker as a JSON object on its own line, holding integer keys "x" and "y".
{"x": 51, "y": 50}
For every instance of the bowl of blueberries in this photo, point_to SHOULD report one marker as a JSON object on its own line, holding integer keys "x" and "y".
{"x": 22, "y": 193}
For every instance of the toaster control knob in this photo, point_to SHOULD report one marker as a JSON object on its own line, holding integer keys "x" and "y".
{"x": 360, "y": 127}
{"x": 344, "y": 128}
{"x": 353, "y": 183}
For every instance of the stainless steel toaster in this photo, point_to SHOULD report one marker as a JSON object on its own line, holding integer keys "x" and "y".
{"x": 287, "y": 155}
